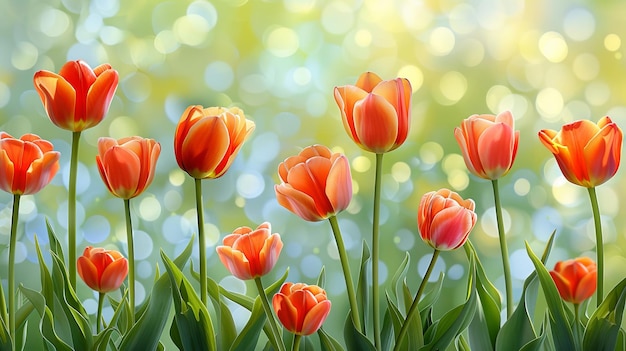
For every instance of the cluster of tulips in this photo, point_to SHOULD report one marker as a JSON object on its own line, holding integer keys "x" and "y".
{"x": 316, "y": 185}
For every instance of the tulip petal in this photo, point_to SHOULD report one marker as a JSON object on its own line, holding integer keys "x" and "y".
{"x": 41, "y": 172}
{"x": 315, "y": 317}
{"x": 206, "y": 134}
{"x": 451, "y": 227}
{"x": 495, "y": 148}
{"x": 99, "y": 98}
{"x": 339, "y": 184}
{"x": 235, "y": 261}
{"x": 368, "y": 81}
{"x": 297, "y": 202}
{"x": 398, "y": 93}
{"x": 286, "y": 312}
{"x": 346, "y": 98}
{"x": 586, "y": 286}
{"x": 268, "y": 255}
{"x": 376, "y": 123}
{"x": 113, "y": 275}
{"x": 122, "y": 169}
{"x": 563, "y": 286}
{"x": 88, "y": 272}
{"x": 58, "y": 97}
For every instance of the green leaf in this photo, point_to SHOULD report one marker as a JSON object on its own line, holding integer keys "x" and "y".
{"x": 321, "y": 278}
{"x": 605, "y": 323}
{"x": 561, "y": 329}
{"x": 249, "y": 336}
{"x": 227, "y": 331}
{"x": 55, "y": 246}
{"x": 354, "y": 339}
{"x": 192, "y": 320}
{"x": 362, "y": 288}
{"x": 327, "y": 342}
{"x": 428, "y": 300}
{"x": 46, "y": 325}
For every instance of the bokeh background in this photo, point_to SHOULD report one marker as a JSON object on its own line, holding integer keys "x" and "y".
{"x": 549, "y": 62}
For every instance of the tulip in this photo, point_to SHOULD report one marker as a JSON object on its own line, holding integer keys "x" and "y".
{"x": 27, "y": 164}
{"x": 250, "y": 254}
{"x": 301, "y": 308}
{"x": 78, "y": 97}
{"x": 127, "y": 165}
{"x": 488, "y": 144}
{"x": 376, "y": 113}
{"x": 587, "y": 153}
{"x": 315, "y": 184}
{"x": 102, "y": 270}
{"x": 575, "y": 279}
{"x": 207, "y": 140}
{"x": 445, "y": 219}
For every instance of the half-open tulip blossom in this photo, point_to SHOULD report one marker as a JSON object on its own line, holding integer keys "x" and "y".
{"x": 315, "y": 184}
{"x": 301, "y": 308}
{"x": 207, "y": 140}
{"x": 376, "y": 113}
{"x": 445, "y": 220}
{"x": 127, "y": 165}
{"x": 249, "y": 254}
{"x": 488, "y": 144}
{"x": 587, "y": 153}
{"x": 27, "y": 164}
{"x": 575, "y": 279}
{"x": 78, "y": 97}
{"x": 102, "y": 270}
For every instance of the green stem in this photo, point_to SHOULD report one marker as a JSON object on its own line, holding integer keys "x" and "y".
{"x": 99, "y": 314}
{"x": 12, "y": 243}
{"x": 276, "y": 337}
{"x": 71, "y": 211}
{"x": 503, "y": 249}
{"x": 599, "y": 245}
{"x": 131, "y": 260}
{"x": 296, "y": 342}
{"x": 576, "y": 329}
{"x": 345, "y": 265}
{"x": 201, "y": 242}
{"x": 375, "y": 231}
{"x": 413, "y": 309}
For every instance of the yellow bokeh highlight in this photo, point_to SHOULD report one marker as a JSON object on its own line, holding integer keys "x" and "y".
{"x": 414, "y": 75}
{"x": 177, "y": 177}
{"x": 553, "y": 46}
{"x": 361, "y": 164}
{"x": 401, "y": 172}
{"x": 612, "y": 42}
{"x": 282, "y": 41}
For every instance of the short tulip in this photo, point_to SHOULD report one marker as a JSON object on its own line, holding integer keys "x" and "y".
{"x": 78, "y": 97}
{"x": 207, "y": 140}
{"x": 127, "y": 165}
{"x": 587, "y": 153}
{"x": 250, "y": 254}
{"x": 445, "y": 220}
{"x": 375, "y": 113}
{"x": 488, "y": 144}
{"x": 315, "y": 184}
{"x": 575, "y": 279}
{"x": 301, "y": 308}
{"x": 102, "y": 270}
{"x": 27, "y": 164}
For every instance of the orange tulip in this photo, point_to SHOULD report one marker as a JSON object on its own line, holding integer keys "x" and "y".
{"x": 588, "y": 154}
{"x": 102, "y": 270}
{"x": 78, "y": 97}
{"x": 376, "y": 113}
{"x": 445, "y": 219}
{"x": 248, "y": 253}
{"x": 127, "y": 165}
{"x": 575, "y": 279}
{"x": 207, "y": 140}
{"x": 301, "y": 308}
{"x": 27, "y": 164}
{"x": 488, "y": 144}
{"x": 316, "y": 184}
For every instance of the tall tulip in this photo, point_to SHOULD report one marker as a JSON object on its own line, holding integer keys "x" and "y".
{"x": 27, "y": 165}
{"x": 588, "y": 154}
{"x": 376, "y": 115}
{"x": 127, "y": 168}
{"x": 75, "y": 99}
{"x": 206, "y": 143}
{"x": 444, "y": 220}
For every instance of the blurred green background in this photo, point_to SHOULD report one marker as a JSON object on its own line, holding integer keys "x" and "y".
{"x": 548, "y": 62}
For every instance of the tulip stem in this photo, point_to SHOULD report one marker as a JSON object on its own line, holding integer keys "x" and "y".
{"x": 503, "y": 249}
{"x": 597, "y": 221}
{"x": 131, "y": 261}
{"x": 375, "y": 229}
{"x": 71, "y": 210}
{"x": 275, "y": 338}
{"x": 345, "y": 265}
{"x": 99, "y": 314}
{"x": 413, "y": 309}
{"x": 12, "y": 243}
{"x": 296, "y": 342}
{"x": 576, "y": 326}
{"x": 201, "y": 242}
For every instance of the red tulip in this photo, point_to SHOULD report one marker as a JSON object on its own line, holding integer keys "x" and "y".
{"x": 488, "y": 144}
{"x": 376, "y": 113}
{"x": 250, "y": 254}
{"x": 575, "y": 279}
{"x": 315, "y": 184}
{"x": 127, "y": 165}
{"x": 588, "y": 154}
{"x": 207, "y": 140}
{"x": 301, "y": 308}
{"x": 445, "y": 219}
{"x": 27, "y": 164}
{"x": 102, "y": 270}
{"x": 78, "y": 97}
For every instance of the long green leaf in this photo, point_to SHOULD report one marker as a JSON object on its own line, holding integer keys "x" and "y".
{"x": 605, "y": 323}
{"x": 327, "y": 342}
{"x": 362, "y": 288}
{"x": 46, "y": 325}
{"x": 249, "y": 336}
{"x": 227, "y": 331}
{"x": 354, "y": 339}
